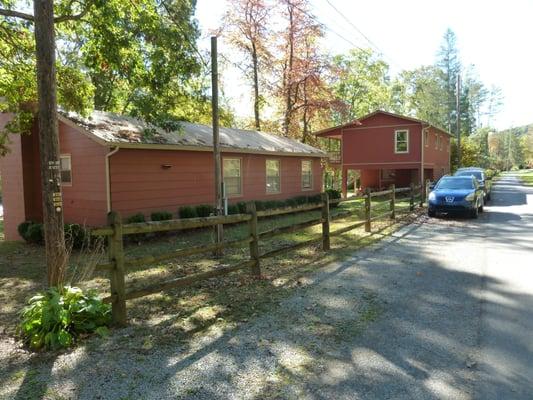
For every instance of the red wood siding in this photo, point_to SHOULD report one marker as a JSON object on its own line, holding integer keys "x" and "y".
{"x": 139, "y": 183}
{"x": 372, "y": 144}
{"x": 437, "y": 159}
{"x": 85, "y": 202}
{"x": 12, "y": 185}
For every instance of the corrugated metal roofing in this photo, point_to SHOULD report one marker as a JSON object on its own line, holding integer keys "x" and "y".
{"x": 118, "y": 129}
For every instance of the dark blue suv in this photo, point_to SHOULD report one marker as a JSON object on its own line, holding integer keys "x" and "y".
{"x": 456, "y": 194}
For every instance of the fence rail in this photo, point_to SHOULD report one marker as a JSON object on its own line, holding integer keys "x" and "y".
{"x": 118, "y": 263}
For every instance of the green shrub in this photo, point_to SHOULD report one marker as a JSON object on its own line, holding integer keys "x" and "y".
{"x": 242, "y": 207}
{"x": 76, "y": 236}
{"x": 187, "y": 212}
{"x": 54, "y": 319}
{"x": 161, "y": 216}
{"x": 291, "y": 202}
{"x": 23, "y": 229}
{"x": 233, "y": 209}
{"x": 334, "y": 194}
{"x": 204, "y": 210}
{"x": 135, "y": 218}
{"x": 301, "y": 200}
{"x": 314, "y": 199}
{"x": 260, "y": 205}
{"x": 35, "y": 234}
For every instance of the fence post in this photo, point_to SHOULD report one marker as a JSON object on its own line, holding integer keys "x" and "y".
{"x": 116, "y": 256}
{"x": 325, "y": 222}
{"x": 412, "y": 199}
{"x": 392, "y": 201}
{"x": 254, "y": 244}
{"x": 368, "y": 209}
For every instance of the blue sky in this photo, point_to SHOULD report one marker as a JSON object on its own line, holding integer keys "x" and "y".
{"x": 494, "y": 36}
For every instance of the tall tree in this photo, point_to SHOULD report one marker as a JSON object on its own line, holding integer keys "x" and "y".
{"x": 300, "y": 28}
{"x": 245, "y": 26}
{"x": 449, "y": 63}
{"x": 361, "y": 80}
{"x": 43, "y": 19}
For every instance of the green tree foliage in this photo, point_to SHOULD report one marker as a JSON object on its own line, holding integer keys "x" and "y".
{"x": 449, "y": 63}
{"x": 137, "y": 58}
{"x": 420, "y": 93}
{"x": 361, "y": 80}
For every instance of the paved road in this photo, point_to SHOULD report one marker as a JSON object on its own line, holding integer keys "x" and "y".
{"x": 441, "y": 310}
{"x": 506, "y": 334}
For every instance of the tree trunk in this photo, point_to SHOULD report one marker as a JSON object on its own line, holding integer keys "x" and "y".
{"x": 56, "y": 254}
{"x": 256, "y": 87}
{"x": 289, "y": 75}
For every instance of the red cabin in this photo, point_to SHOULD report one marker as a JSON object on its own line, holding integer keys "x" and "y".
{"x": 112, "y": 162}
{"x": 382, "y": 148}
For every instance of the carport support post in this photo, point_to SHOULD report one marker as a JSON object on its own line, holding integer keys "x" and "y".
{"x": 254, "y": 238}
{"x": 392, "y": 202}
{"x": 368, "y": 205}
{"x": 116, "y": 256}
{"x": 412, "y": 199}
{"x": 325, "y": 222}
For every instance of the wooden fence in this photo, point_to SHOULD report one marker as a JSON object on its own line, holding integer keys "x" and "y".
{"x": 118, "y": 264}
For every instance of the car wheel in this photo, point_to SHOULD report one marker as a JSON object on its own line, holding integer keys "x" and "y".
{"x": 432, "y": 213}
{"x": 480, "y": 209}
{"x": 488, "y": 197}
{"x": 474, "y": 213}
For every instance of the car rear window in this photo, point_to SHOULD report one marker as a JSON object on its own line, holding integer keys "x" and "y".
{"x": 477, "y": 174}
{"x": 455, "y": 183}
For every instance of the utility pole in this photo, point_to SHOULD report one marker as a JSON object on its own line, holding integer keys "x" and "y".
{"x": 54, "y": 236}
{"x": 219, "y": 207}
{"x": 458, "y": 108}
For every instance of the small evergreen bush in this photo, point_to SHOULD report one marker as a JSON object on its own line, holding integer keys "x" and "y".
{"x": 35, "y": 234}
{"x": 187, "y": 212}
{"x": 22, "y": 229}
{"x": 314, "y": 199}
{"x": 204, "y": 210}
{"x": 161, "y": 216}
{"x": 233, "y": 209}
{"x": 54, "y": 319}
{"x": 76, "y": 236}
{"x": 242, "y": 207}
{"x": 135, "y": 218}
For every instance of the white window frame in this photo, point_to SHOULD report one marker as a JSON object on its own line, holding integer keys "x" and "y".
{"x": 396, "y": 132}
{"x": 302, "y": 174}
{"x": 426, "y": 138}
{"x": 69, "y": 157}
{"x": 266, "y": 176}
{"x": 441, "y": 140}
{"x": 436, "y": 141}
{"x": 240, "y": 194}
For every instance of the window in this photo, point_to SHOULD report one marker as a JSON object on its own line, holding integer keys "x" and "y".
{"x": 66, "y": 170}
{"x": 273, "y": 181}
{"x": 307, "y": 175}
{"x": 441, "y": 140}
{"x": 401, "y": 141}
{"x": 426, "y": 138}
{"x": 232, "y": 177}
{"x": 436, "y": 142}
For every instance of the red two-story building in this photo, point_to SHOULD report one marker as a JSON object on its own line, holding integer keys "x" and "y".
{"x": 382, "y": 148}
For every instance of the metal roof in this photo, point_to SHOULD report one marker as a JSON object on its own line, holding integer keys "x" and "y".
{"x": 125, "y": 131}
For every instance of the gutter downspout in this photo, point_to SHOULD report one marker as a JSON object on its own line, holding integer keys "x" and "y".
{"x": 108, "y": 177}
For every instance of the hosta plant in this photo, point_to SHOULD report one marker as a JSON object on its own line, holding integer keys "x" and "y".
{"x": 56, "y": 318}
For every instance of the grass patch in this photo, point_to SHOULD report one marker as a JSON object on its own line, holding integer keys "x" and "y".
{"x": 226, "y": 301}
{"x": 526, "y": 177}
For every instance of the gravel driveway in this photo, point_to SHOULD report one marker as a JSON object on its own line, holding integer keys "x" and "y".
{"x": 440, "y": 310}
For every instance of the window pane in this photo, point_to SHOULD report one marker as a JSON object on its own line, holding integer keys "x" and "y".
{"x": 273, "y": 176}
{"x": 401, "y": 139}
{"x": 232, "y": 176}
{"x": 307, "y": 175}
{"x": 65, "y": 172}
